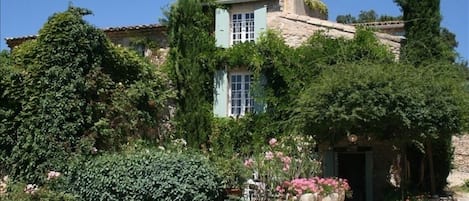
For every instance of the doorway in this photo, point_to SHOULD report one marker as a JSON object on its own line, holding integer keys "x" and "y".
{"x": 352, "y": 166}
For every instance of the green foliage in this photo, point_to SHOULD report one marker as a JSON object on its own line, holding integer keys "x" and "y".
{"x": 232, "y": 171}
{"x": 416, "y": 107}
{"x": 283, "y": 72}
{"x": 366, "y": 16}
{"x": 232, "y": 140}
{"x": 5, "y": 58}
{"x": 443, "y": 152}
{"x": 317, "y": 5}
{"x": 232, "y": 136}
{"x": 191, "y": 67}
{"x": 16, "y": 192}
{"x": 424, "y": 42}
{"x": 145, "y": 175}
{"x": 9, "y": 107}
{"x": 71, "y": 90}
{"x": 385, "y": 100}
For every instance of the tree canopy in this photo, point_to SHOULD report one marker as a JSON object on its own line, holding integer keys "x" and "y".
{"x": 424, "y": 37}
{"x": 392, "y": 101}
{"x": 364, "y": 17}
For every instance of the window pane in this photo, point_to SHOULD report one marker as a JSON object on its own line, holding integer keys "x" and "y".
{"x": 240, "y": 99}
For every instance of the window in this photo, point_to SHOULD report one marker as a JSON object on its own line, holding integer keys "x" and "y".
{"x": 242, "y": 27}
{"x": 241, "y": 101}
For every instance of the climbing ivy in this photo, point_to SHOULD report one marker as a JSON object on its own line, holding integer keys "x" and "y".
{"x": 70, "y": 92}
{"x": 317, "y": 5}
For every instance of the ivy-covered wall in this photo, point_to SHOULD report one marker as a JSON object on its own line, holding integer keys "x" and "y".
{"x": 72, "y": 92}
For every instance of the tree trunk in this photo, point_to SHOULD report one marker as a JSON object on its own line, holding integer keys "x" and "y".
{"x": 421, "y": 184}
{"x": 431, "y": 168}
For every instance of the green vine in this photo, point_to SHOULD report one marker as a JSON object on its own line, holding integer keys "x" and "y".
{"x": 145, "y": 42}
{"x": 317, "y": 5}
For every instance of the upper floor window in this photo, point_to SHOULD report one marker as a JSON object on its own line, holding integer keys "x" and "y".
{"x": 241, "y": 101}
{"x": 232, "y": 27}
{"x": 242, "y": 27}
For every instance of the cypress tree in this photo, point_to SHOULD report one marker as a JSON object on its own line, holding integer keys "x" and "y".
{"x": 424, "y": 42}
{"x": 191, "y": 69}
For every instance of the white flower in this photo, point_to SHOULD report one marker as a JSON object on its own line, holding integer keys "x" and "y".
{"x": 31, "y": 188}
{"x": 52, "y": 175}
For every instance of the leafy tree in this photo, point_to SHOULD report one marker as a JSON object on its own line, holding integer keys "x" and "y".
{"x": 5, "y": 58}
{"x": 71, "y": 90}
{"x": 8, "y": 107}
{"x": 367, "y": 16}
{"x": 346, "y": 19}
{"x": 384, "y": 18}
{"x": 191, "y": 67}
{"x": 419, "y": 109}
{"x": 427, "y": 43}
{"x": 392, "y": 101}
{"x": 423, "y": 33}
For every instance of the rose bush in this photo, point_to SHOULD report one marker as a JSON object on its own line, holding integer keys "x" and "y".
{"x": 292, "y": 190}
{"x": 281, "y": 160}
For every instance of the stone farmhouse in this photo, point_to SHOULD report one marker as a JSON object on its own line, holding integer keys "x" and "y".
{"x": 365, "y": 162}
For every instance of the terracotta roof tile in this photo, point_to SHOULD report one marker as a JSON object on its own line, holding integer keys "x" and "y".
{"x": 108, "y": 29}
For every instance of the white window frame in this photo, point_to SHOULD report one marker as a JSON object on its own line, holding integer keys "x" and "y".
{"x": 246, "y": 104}
{"x": 242, "y": 27}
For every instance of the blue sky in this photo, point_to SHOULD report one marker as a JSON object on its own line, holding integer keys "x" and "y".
{"x": 26, "y": 17}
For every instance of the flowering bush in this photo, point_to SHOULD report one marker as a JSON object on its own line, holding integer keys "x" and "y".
{"x": 3, "y": 185}
{"x": 31, "y": 189}
{"x": 322, "y": 186}
{"x": 53, "y": 175}
{"x": 284, "y": 159}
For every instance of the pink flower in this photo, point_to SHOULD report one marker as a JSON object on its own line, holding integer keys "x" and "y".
{"x": 269, "y": 155}
{"x": 272, "y": 142}
{"x": 280, "y": 189}
{"x": 279, "y": 154}
{"x": 248, "y": 163}
{"x": 53, "y": 175}
{"x": 286, "y": 160}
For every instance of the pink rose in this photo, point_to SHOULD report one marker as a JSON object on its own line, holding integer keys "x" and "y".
{"x": 272, "y": 142}
{"x": 53, "y": 175}
{"x": 248, "y": 163}
{"x": 286, "y": 160}
{"x": 269, "y": 155}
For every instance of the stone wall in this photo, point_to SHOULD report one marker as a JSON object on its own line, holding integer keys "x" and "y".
{"x": 461, "y": 153}
{"x": 296, "y": 29}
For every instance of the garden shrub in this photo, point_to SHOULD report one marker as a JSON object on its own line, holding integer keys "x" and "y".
{"x": 240, "y": 135}
{"x": 17, "y": 192}
{"x": 145, "y": 175}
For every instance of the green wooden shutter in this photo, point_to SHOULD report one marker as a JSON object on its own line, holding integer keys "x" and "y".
{"x": 220, "y": 99}
{"x": 260, "y": 21}
{"x": 222, "y": 28}
{"x": 260, "y": 105}
{"x": 329, "y": 163}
